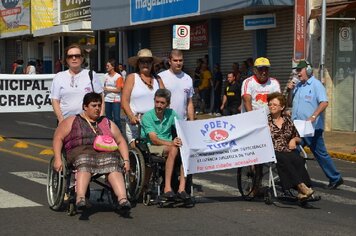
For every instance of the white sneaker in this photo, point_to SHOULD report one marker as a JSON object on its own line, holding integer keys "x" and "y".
{"x": 210, "y": 114}
{"x": 217, "y": 114}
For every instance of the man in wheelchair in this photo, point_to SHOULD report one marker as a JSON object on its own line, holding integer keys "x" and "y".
{"x": 77, "y": 135}
{"x": 157, "y": 129}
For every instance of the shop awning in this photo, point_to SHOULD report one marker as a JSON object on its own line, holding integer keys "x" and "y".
{"x": 332, "y": 9}
{"x": 76, "y": 27}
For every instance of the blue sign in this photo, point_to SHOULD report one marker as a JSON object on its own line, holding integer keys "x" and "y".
{"x": 253, "y": 22}
{"x": 143, "y": 11}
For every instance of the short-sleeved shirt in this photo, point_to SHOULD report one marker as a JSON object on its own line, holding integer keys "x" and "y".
{"x": 233, "y": 94}
{"x": 306, "y": 98}
{"x": 151, "y": 124}
{"x": 259, "y": 91}
{"x": 115, "y": 81}
{"x": 70, "y": 90}
{"x": 181, "y": 87}
{"x": 205, "y": 78}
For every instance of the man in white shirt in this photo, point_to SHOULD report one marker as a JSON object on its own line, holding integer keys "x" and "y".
{"x": 180, "y": 84}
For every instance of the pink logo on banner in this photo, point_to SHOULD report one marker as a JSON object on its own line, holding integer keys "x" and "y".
{"x": 218, "y": 135}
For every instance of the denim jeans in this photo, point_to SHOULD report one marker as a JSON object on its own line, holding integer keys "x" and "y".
{"x": 317, "y": 146}
{"x": 112, "y": 111}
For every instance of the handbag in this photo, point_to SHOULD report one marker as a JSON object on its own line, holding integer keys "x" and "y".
{"x": 103, "y": 143}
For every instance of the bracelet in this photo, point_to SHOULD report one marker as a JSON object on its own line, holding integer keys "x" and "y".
{"x": 126, "y": 160}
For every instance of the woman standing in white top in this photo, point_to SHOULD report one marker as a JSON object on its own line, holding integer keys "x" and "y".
{"x": 31, "y": 69}
{"x": 113, "y": 84}
{"x": 70, "y": 86}
{"x": 138, "y": 92}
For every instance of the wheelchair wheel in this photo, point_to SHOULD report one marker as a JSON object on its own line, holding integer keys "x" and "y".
{"x": 246, "y": 181}
{"x": 136, "y": 178}
{"x": 56, "y": 185}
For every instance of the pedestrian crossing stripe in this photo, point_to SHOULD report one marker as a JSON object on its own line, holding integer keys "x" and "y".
{"x": 34, "y": 176}
{"x": 10, "y": 200}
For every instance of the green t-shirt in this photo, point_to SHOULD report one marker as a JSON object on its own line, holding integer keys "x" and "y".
{"x": 150, "y": 123}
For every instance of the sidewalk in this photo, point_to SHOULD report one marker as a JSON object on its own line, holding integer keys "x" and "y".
{"x": 340, "y": 145}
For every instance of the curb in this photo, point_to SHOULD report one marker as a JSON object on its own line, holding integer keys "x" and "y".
{"x": 337, "y": 155}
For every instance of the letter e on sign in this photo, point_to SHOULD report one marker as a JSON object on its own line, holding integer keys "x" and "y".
{"x": 181, "y": 37}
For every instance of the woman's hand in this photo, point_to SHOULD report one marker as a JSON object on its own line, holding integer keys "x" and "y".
{"x": 292, "y": 144}
{"x": 57, "y": 165}
{"x": 126, "y": 166}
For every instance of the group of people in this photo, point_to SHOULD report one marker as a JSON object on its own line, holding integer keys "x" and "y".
{"x": 32, "y": 67}
{"x": 152, "y": 101}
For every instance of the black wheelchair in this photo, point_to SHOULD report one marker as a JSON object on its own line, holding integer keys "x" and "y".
{"x": 262, "y": 180}
{"x": 61, "y": 186}
{"x": 147, "y": 177}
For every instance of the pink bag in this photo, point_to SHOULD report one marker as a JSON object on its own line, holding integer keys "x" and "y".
{"x": 105, "y": 143}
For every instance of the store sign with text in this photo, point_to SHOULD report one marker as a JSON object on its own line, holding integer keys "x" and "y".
{"x": 145, "y": 11}
{"x": 199, "y": 35}
{"x": 300, "y": 30}
{"x": 75, "y": 10}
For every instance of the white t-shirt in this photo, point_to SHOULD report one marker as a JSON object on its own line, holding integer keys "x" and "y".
{"x": 142, "y": 97}
{"x": 259, "y": 91}
{"x": 111, "y": 82}
{"x": 32, "y": 70}
{"x": 70, "y": 90}
{"x": 181, "y": 87}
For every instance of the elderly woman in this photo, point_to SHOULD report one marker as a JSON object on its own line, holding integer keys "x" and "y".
{"x": 77, "y": 135}
{"x": 138, "y": 92}
{"x": 290, "y": 165}
{"x": 70, "y": 86}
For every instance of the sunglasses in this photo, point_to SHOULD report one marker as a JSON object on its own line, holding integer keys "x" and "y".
{"x": 74, "y": 56}
{"x": 145, "y": 61}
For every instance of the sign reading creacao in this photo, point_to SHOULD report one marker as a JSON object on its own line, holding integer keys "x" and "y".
{"x": 144, "y": 11}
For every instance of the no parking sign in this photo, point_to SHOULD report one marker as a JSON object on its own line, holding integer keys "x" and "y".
{"x": 181, "y": 37}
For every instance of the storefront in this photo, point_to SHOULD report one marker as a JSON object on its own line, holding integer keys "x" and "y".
{"x": 217, "y": 30}
{"x": 340, "y": 62}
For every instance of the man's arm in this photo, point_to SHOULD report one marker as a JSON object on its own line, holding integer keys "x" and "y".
{"x": 223, "y": 102}
{"x": 322, "y": 106}
{"x": 157, "y": 141}
{"x": 247, "y": 99}
{"x": 190, "y": 109}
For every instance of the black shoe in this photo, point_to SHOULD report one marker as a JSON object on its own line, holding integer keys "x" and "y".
{"x": 335, "y": 184}
{"x": 183, "y": 195}
{"x": 124, "y": 205}
{"x": 169, "y": 195}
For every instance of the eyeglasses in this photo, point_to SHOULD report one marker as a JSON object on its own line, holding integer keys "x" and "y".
{"x": 75, "y": 56}
{"x": 145, "y": 61}
{"x": 263, "y": 68}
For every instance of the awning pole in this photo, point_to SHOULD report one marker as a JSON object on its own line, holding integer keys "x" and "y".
{"x": 322, "y": 53}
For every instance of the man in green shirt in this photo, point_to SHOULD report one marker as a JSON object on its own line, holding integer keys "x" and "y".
{"x": 157, "y": 128}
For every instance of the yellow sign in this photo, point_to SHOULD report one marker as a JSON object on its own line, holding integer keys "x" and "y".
{"x": 14, "y": 16}
{"x": 41, "y": 14}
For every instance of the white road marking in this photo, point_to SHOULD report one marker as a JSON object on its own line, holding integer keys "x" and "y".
{"x": 351, "y": 179}
{"x": 34, "y": 124}
{"x": 342, "y": 187}
{"x": 10, "y": 200}
{"x": 34, "y": 176}
{"x": 216, "y": 186}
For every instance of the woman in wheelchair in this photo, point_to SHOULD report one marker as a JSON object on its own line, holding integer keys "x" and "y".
{"x": 290, "y": 166}
{"x": 157, "y": 129}
{"x": 76, "y": 134}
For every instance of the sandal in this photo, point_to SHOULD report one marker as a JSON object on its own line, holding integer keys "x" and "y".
{"x": 124, "y": 204}
{"x": 81, "y": 204}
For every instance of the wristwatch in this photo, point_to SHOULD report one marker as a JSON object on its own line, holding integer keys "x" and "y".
{"x": 313, "y": 116}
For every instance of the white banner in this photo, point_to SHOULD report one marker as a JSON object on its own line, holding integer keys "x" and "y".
{"x": 25, "y": 93}
{"x": 225, "y": 142}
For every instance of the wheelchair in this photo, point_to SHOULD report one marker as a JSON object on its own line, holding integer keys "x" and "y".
{"x": 262, "y": 179}
{"x": 148, "y": 176}
{"x": 61, "y": 186}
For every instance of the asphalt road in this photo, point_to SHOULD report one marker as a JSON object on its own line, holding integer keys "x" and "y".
{"x": 219, "y": 209}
